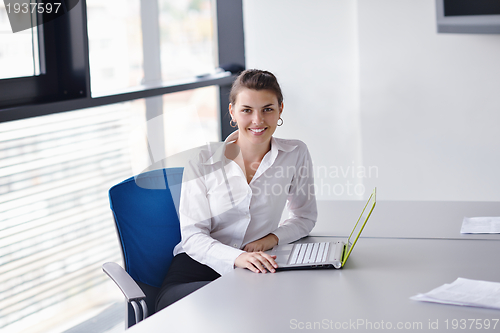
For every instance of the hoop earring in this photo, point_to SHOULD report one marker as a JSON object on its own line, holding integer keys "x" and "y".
{"x": 281, "y": 122}
{"x": 232, "y": 123}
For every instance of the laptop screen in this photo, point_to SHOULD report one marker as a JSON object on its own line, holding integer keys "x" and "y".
{"x": 360, "y": 224}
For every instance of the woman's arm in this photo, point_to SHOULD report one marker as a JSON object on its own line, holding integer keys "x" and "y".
{"x": 257, "y": 262}
{"x": 196, "y": 223}
{"x": 301, "y": 202}
{"x": 263, "y": 244}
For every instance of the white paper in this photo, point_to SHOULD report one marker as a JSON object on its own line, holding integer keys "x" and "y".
{"x": 465, "y": 292}
{"x": 480, "y": 225}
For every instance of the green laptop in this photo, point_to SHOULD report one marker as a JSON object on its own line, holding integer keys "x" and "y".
{"x": 322, "y": 255}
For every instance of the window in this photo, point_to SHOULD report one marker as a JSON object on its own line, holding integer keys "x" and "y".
{"x": 19, "y": 54}
{"x": 128, "y": 52}
{"x": 187, "y": 39}
{"x": 62, "y": 61}
{"x": 64, "y": 137}
{"x": 115, "y": 45}
{"x": 56, "y": 226}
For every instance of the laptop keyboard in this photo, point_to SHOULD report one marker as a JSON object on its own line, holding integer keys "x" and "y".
{"x": 309, "y": 253}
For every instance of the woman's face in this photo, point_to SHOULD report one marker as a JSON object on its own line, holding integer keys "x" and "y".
{"x": 256, "y": 112}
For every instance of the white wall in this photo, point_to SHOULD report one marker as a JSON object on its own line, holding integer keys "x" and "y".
{"x": 370, "y": 86}
{"x": 311, "y": 46}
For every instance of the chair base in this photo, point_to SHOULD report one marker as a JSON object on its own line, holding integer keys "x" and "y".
{"x": 151, "y": 293}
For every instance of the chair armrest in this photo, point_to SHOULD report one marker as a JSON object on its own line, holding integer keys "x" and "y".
{"x": 127, "y": 285}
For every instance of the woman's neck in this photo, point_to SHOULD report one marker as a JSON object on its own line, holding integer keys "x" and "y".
{"x": 251, "y": 152}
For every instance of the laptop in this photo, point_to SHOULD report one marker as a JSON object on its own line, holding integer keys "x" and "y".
{"x": 322, "y": 255}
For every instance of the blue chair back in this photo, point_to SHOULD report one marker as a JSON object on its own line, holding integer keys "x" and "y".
{"x": 145, "y": 209}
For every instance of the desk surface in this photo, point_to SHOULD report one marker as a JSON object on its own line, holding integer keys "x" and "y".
{"x": 404, "y": 219}
{"x": 373, "y": 289}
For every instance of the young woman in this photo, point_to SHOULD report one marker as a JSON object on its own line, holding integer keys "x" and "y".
{"x": 232, "y": 197}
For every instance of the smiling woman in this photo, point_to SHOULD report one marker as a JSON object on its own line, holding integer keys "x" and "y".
{"x": 226, "y": 221}
{"x": 257, "y": 113}
{"x": 256, "y": 104}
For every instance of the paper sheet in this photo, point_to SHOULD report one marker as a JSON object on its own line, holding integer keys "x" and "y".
{"x": 480, "y": 225}
{"x": 465, "y": 292}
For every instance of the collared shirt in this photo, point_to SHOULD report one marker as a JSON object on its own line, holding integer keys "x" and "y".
{"x": 220, "y": 212}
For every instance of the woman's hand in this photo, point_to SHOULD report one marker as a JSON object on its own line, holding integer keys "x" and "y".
{"x": 263, "y": 244}
{"x": 257, "y": 262}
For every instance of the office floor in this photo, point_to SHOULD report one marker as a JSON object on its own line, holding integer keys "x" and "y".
{"x": 110, "y": 320}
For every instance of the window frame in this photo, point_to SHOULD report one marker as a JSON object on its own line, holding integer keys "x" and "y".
{"x": 63, "y": 77}
{"x": 66, "y": 84}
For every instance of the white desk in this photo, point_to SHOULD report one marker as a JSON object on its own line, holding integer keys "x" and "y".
{"x": 374, "y": 287}
{"x": 404, "y": 219}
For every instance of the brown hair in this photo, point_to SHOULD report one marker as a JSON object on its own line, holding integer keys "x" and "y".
{"x": 256, "y": 79}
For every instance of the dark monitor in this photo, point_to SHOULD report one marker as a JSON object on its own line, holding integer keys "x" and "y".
{"x": 468, "y": 16}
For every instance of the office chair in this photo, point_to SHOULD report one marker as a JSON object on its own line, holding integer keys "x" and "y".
{"x": 145, "y": 210}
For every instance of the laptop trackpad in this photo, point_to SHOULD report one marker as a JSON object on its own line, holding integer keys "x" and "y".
{"x": 282, "y": 252}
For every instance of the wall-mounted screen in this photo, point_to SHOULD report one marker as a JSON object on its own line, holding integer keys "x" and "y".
{"x": 466, "y": 16}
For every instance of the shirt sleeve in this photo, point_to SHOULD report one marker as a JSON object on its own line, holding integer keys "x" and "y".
{"x": 196, "y": 224}
{"x": 301, "y": 202}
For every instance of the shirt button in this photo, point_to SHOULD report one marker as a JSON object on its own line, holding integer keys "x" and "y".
{"x": 235, "y": 245}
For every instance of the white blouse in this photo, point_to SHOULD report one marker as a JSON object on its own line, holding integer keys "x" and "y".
{"x": 220, "y": 212}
